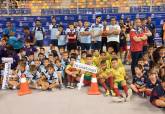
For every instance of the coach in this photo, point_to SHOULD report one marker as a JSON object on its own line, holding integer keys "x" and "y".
{"x": 137, "y": 36}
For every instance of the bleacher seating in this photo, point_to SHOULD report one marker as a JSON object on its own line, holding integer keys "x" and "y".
{"x": 124, "y": 6}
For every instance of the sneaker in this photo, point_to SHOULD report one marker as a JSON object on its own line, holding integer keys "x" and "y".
{"x": 14, "y": 88}
{"x": 68, "y": 85}
{"x": 72, "y": 86}
{"x": 62, "y": 86}
{"x": 107, "y": 93}
{"x": 124, "y": 95}
{"x": 53, "y": 89}
{"x": 129, "y": 95}
{"x": 39, "y": 87}
{"x": 79, "y": 85}
{"x": 112, "y": 93}
{"x": 141, "y": 94}
{"x": 118, "y": 99}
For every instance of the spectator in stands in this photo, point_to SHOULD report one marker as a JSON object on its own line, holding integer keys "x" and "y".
{"x": 113, "y": 35}
{"x": 14, "y": 4}
{"x": 152, "y": 28}
{"x": 137, "y": 37}
{"x": 53, "y": 27}
{"x": 10, "y": 30}
{"x": 39, "y": 33}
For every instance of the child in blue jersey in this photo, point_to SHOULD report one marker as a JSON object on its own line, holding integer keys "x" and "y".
{"x": 52, "y": 78}
{"x": 13, "y": 82}
{"x": 35, "y": 75}
{"x": 39, "y": 33}
{"x": 151, "y": 82}
{"x": 53, "y": 27}
{"x": 146, "y": 62}
{"x": 158, "y": 95}
{"x": 41, "y": 58}
{"x": 65, "y": 59}
{"x": 22, "y": 70}
{"x": 44, "y": 67}
{"x": 30, "y": 60}
{"x": 59, "y": 68}
{"x": 37, "y": 63}
{"x": 28, "y": 48}
{"x": 139, "y": 81}
{"x": 51, "y": 58}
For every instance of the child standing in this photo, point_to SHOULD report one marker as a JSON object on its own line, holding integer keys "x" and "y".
{"x": 71, "y": 37}
{"x": 61, "y": 37}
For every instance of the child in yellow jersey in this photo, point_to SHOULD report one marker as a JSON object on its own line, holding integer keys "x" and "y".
{"x": 96, "y": 58}
{"x": 119, "y": 75}
{"x": 104, "y": 76}
{"x": 87, "y": 75}
{"x": 83, "y": 57}
{"x": 114, "y": 55}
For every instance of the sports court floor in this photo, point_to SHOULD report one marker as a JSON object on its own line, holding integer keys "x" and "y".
{"x": 71, "y": 102}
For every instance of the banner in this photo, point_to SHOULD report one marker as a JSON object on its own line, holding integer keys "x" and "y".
{"x": 85, "y": 67}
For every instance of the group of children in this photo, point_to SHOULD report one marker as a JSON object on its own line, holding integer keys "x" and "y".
{"x": 52, "y": 67}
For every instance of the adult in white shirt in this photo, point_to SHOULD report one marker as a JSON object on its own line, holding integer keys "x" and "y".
{"x": 97, "y": 30}
{"x": 113, "y": 35}
{"x": 85, "y": 36}
{"x": 53, "y": 27}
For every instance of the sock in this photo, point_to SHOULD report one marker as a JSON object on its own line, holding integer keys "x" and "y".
{"x": 104, "y": 86}
{"x": 111, "y": 82}
{"x": 116, "y": 90}
{"x": 68, "y": 78}
{"x": 86, "y": 83}
{"x": 125, "y": 89}
{"x": 148, "y": 93}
